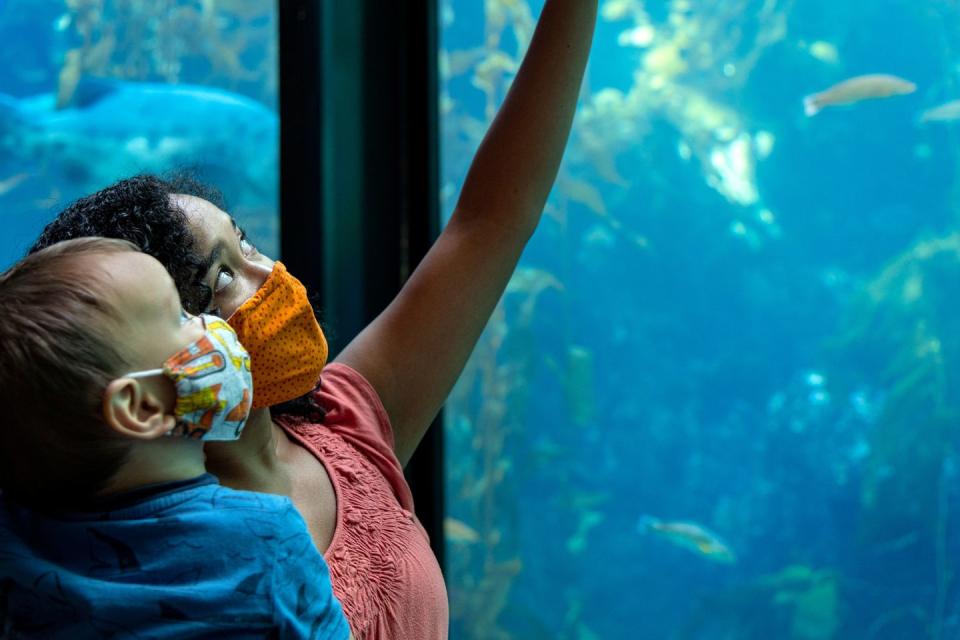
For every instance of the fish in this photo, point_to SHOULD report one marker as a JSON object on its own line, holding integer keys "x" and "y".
{"x": 131, "y": 126}
{"x": 946, "y": 112}
{"x": 12, "y": 182}
{"x": 584, "y": 193}
{"x": 690, "y": 536}
{"x": 459, "y": 532}
{"x": 866, "y": 87}
{"x": 824, "y": 51}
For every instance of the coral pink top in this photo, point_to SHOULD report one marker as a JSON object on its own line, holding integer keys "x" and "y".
{"x": 383, "y": 570}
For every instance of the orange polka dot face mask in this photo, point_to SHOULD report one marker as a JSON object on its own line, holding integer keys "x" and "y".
{"x": 286, "y": 345}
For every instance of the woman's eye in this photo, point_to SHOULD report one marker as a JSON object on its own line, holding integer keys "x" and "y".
{"x": 224, "y": 278}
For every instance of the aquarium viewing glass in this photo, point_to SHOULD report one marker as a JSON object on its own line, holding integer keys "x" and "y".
{"x": 721, "y": 395}
{"x": 92, "y": 91}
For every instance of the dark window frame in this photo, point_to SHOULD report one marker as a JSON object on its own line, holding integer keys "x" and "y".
{"x": 359, "y": 198}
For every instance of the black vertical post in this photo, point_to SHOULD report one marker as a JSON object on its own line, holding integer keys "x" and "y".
{"x": 402, "y": 196}
{"x": 359, "y": 171}
{"x": 425, "y": 472}
{"x": 301, "y": 141}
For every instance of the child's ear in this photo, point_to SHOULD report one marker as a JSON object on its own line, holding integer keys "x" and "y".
{"x": 135, "y": 410}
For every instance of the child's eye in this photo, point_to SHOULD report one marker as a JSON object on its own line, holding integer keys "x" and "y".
{"x": 246, "y": 247}
{"x": 224, "y": 278}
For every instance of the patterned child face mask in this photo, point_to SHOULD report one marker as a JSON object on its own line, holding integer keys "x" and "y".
{"x": 213, "y": 381}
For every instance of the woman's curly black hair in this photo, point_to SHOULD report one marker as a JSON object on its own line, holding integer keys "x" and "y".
{"x": 140, "y": 210}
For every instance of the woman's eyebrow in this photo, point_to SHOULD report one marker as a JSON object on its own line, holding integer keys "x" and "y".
{"x": 201, "y": 274}
{"x": 237, "y": 228}
{"x": 208, "y": 263}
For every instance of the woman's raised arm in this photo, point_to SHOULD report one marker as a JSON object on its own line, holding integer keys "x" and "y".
{"x": 413, "y": 352}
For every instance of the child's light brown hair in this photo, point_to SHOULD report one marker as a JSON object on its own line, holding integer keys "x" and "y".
{"x": 56, "y": 359}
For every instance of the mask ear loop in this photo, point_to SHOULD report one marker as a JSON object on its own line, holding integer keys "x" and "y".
{"x": 184, "y": 319}
{"x": 143, "y": 374}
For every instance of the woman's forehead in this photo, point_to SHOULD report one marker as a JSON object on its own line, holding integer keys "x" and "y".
{"x": 208, "y": 223}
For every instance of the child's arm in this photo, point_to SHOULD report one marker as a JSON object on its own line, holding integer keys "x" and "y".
{"x": 414, "y": 351}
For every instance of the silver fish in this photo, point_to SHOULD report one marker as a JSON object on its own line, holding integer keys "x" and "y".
{"x": 945, "y": 112}
{"x": 867, "y": 87}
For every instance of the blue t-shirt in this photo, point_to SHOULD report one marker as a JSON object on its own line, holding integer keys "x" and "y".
{"x": 180, "y": 560}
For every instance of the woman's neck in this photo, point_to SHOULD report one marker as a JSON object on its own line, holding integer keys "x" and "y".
{"x": 251, "y": 462}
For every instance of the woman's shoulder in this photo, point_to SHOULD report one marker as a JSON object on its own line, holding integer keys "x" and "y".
{"x": 351, "y": 405}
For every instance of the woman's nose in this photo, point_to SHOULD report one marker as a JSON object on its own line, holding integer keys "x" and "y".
{"x": 257, "y": 270}
{"x": 255, "y": 273}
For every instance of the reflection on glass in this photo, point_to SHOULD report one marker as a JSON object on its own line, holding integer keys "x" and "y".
{"x": 721, "y": 395}
{"x": 97, "y": 90}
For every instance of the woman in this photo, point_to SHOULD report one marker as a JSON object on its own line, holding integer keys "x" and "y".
{"x": 338, "y": 450}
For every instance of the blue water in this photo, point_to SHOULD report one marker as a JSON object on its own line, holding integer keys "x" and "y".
{"x": 724, "y": 371}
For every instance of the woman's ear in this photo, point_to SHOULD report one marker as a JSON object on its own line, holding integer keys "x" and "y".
{"x": 134, "y": 410}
